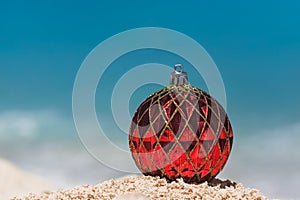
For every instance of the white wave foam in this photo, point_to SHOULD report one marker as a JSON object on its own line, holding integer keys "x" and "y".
{"x": 27, "y": 124}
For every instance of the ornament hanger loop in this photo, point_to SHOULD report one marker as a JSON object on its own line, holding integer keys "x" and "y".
{"x": 178, "y": 68}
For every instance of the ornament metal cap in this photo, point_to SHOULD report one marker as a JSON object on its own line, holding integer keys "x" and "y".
{"x": 178, "y": 77}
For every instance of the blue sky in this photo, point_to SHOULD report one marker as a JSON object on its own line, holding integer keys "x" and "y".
{"x": 256, "y": 46}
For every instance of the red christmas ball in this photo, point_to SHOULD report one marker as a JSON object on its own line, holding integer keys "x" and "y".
{"x": 180, "y": 132}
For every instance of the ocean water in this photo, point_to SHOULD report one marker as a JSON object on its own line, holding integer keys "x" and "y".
{"x": 47, "y": 144}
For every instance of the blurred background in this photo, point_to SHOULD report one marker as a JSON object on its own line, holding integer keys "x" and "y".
{"x": 256, "y": 46}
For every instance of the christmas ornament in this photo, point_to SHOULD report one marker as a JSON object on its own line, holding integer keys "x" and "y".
{"x": 180, "y": 132}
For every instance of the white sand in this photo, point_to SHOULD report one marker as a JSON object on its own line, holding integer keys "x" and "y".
{"x": 14, "y": 181}
{"x": 152, "y": 188}
{"x": 19, "y": 185}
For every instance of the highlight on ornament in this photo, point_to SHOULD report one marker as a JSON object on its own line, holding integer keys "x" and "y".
{"x": 180, "y": 131}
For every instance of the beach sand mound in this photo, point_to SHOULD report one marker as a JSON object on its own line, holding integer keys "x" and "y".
{"x": 151, "y": 188}
{"x": 14, "y": 181}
